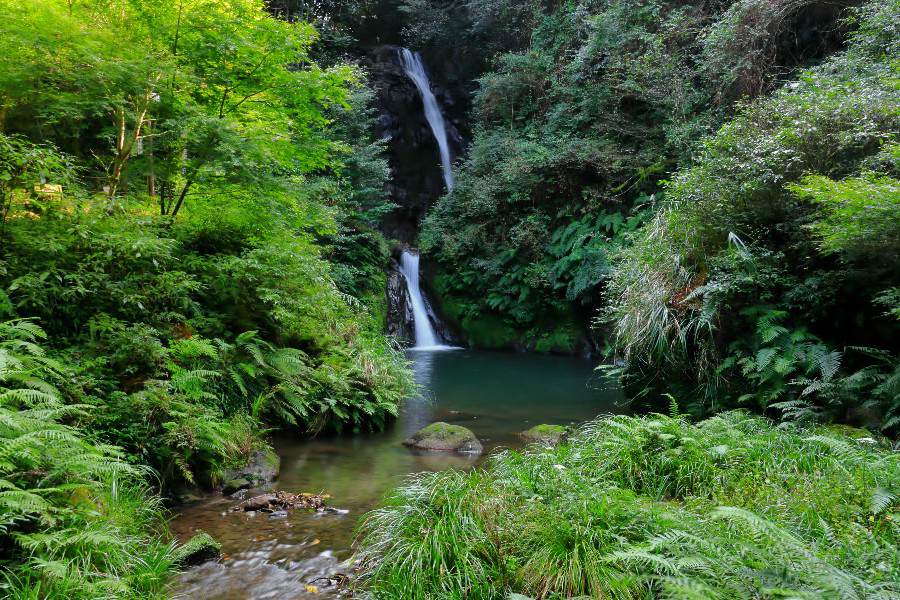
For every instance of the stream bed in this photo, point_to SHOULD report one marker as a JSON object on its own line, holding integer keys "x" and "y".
{"x": 496, "y": 395}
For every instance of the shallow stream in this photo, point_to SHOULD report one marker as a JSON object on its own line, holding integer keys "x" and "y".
{"x": 495, "y": 395}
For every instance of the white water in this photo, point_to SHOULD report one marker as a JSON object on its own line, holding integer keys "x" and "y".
{"x": 426, "y": 338}
{"x": 415, "y": 70}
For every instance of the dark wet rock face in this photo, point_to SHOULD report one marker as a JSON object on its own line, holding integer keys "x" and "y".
{"x": 545, "y": 434}
{"x": 400, "y": 318}
{"x": 444, "y": 437}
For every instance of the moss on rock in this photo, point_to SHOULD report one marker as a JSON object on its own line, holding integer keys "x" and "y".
{"x": 545, "y": 434}
{"x": 262, "y": 467}
{"x": 237, "y": 484}
{"x": 199, "y": 549}
{"x": 445, "y": 437}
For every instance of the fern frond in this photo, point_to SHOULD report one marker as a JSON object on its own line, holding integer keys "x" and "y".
{"x": 882, "y": 499}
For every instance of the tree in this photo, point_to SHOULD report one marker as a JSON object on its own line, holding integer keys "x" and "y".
{"x": 83, "y": 67}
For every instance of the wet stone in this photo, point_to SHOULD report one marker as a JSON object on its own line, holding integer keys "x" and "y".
{"x": 263, "y": 467}
{"x": 236, "y": 485}
{"x": 550, "y": 435}
{"x": 282, "y": 501}
{"x": 446, "y": 438}
{"x": 199, "y": 549}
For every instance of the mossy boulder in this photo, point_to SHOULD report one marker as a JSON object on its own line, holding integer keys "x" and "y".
{"x": 446, "y": 438}
{"x": 859, "y": 434}
{"x": 233, "y": 485}
{"x": 262, "y": 467}
{"x": 199, "y": 549}
{"x": 545, "y": 434}
{"x": 848, "y": 431}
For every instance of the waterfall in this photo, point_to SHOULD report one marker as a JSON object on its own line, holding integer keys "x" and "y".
{"x": 426, "y": 338}
{"x": 415, "y": 70}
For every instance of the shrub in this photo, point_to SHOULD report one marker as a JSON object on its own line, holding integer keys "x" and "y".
{"x": 583, "y": 109}
{"x": 789, "y": 208}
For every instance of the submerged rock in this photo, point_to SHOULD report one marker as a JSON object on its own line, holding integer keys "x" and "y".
{"x": 199, "y": 549}
{"x": 281, "y": 501}
{"x": 454, "y": 416}
{"x": 445, "y": 437}
{"x": 545, "y": 434}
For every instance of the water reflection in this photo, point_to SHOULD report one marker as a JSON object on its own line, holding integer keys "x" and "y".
{"x": 416, "y": 412}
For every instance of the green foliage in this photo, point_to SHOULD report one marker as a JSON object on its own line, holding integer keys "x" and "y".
{"x": 255, "y": 294}
{"x": 649, "y": 507}
{"x": 582, "y": 250}
{"x": 75, "y": 519}
{"x": 771, "y": 254}
{"x": 285, "y": 344}
{"x": 860, "y": 214}
{"x": 775, "y": 360}
{"x": 185, "y": 93}
{"x": 188, "y": 208}
{"x": 22, "y": 165}
{"x": 582, "y": 111}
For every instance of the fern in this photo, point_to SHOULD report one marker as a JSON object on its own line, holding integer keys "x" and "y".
{"x": 58, "y": 548}
{"x": 883, "y": 499}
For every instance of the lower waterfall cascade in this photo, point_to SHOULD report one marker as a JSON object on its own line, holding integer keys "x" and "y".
{"x": 426, "y": 337}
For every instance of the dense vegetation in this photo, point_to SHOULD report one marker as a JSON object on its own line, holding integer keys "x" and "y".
{"x": 677, "y": 170}
{"x": 585, "y": 108}
{"x": 651, "y": 507}
{"x": 768, "y": 278}
{"x": 187, "y": 257}
{"x": 77, "y": 520}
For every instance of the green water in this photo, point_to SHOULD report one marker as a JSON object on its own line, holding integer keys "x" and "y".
{"x": 495, "y": 395}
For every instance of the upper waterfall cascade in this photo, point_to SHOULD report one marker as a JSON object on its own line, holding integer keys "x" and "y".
{"x": 415, "y": 70}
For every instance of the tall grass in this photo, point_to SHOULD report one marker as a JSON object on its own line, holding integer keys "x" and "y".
{"x": 649, "y": 507}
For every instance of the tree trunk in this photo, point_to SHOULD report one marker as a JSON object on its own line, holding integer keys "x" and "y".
{"x": 125, "y": 140}
{"x": 181, "y": 196}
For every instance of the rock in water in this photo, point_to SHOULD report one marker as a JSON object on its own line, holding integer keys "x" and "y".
{"x": 199, "y": 549}
{"x": 235, "y": 485}
{"x": 445, "y": 437}
{"x": 281, "y": 501}
{"x": 262, "y": 468}
{"x": 545, "y": 434}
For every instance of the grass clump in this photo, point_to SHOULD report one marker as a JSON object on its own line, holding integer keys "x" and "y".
{"x": 649, "y": 507}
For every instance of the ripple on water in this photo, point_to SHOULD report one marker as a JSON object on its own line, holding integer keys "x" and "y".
{"x": 259, "y": 575}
